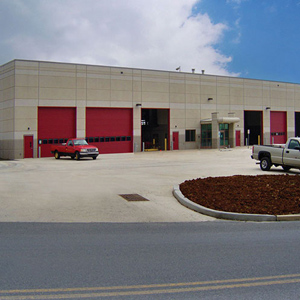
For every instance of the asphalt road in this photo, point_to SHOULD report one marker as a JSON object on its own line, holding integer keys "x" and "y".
{"x": 198, "y": 260}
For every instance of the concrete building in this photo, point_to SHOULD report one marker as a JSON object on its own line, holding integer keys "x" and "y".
{"x": 130, "y": 110}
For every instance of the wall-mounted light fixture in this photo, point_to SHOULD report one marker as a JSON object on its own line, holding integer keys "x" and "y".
{"x": 209, "y": 99}
{"x": 268, "y": 107}
{"x": 178, "y": 69}
{"x": 138, "y": 104}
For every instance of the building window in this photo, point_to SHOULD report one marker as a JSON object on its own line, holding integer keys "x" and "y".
{"x": 206, "y": 136}
{"x": 223, "y": 126}
{"x": 190, "y": 135}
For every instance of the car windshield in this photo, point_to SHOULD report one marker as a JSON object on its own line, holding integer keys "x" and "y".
{"x": 80, "y": 142}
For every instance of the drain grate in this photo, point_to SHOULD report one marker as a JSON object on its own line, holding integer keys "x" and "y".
{"x": 133, "y": 197}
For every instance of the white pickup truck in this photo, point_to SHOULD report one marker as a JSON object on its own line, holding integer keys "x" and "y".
{"x": 285, "y": 155}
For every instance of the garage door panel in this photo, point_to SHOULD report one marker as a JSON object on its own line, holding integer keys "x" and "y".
{"x": 117, "y": 147}
{"x": 55, "y": 124}
{"x": 111, "y": 127}
{"x": 278, "y": 127}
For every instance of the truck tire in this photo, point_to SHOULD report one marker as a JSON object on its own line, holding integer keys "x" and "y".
{"x": 265, "y": 164}
{"x": 77, "y": 156}
{"x": 56, "y": 155}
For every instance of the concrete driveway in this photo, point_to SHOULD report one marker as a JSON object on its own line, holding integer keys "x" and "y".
{"x": 64, "y": 190}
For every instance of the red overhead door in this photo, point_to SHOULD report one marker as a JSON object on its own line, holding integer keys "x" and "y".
{"x": 278, "y": 127}
{"x": 55, "y": 125}
{"x": 110, "y": 129}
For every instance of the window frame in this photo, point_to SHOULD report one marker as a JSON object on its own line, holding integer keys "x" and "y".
{"x": 190, "y": 135}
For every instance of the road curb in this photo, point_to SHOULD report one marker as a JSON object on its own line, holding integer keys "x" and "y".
{"x": 295, "y": 217}
{"x": 229, "y": 215}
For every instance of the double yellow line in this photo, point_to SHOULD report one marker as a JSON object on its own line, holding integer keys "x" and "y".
{"x": 149, "y": 289}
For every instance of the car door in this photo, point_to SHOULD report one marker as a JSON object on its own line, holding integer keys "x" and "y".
{"x": 291, "y": 154}
{"x": 70, "y": 147}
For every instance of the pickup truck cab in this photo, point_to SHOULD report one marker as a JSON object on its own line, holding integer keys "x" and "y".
{"x": 75, "y": 148}
{"x": 287, "y": 155}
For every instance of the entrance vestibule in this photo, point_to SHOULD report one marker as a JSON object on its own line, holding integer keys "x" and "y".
{"x": 218, "y": 132}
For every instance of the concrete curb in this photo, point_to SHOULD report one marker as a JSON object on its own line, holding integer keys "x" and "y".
{"x": 295, "y": 217}
{"x": 229, "y": 215}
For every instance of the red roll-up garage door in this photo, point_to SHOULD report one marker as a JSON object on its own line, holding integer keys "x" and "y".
{"x": 110, "y": 129}
{"x": 278, "y": 127}
{"x": 55, "y": 125}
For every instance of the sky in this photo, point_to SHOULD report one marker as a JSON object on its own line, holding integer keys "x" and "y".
{"x": 256, "y": 39}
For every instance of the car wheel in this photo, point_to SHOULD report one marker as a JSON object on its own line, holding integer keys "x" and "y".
{"x": 77, "y": 156}
{"x": 94, "y": 157}
{"x": 265, "y": 164}
{"x": 56, "y": 155}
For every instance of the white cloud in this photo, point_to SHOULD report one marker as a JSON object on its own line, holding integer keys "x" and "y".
{"x": 237, "y": 28}
{"x": 235, "y": 2}
{"x": 154, "y": 34}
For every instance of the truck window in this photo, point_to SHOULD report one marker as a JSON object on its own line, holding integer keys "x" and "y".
{"x": 293, "y": 144}
{"x": 80, "y": 142}
{"x": 70, "y": 143}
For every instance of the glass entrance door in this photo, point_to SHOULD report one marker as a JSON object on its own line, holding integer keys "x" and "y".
{"x": 222, "y": 138}
{"x": 224, "y": 135}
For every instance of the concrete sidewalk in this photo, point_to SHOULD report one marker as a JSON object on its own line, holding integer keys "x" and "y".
{"x": 64, "y": 190}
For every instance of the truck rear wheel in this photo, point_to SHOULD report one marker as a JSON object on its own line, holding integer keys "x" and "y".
{"x": 265, "y": 164}
{"x": 56, "y": 155}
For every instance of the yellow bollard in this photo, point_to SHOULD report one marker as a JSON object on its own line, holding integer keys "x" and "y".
{"x": 259, "y": 140}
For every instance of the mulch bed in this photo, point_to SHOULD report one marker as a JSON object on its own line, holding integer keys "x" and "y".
{"x": 261, "y": 194}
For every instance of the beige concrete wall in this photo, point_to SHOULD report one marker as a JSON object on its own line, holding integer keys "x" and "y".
{"x": 25, "y": 85}
{"x": 7, "y": 94}
{"x": 26, "y": 102}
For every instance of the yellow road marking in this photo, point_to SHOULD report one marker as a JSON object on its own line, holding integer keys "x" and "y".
{"x": 149, "y": 289}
